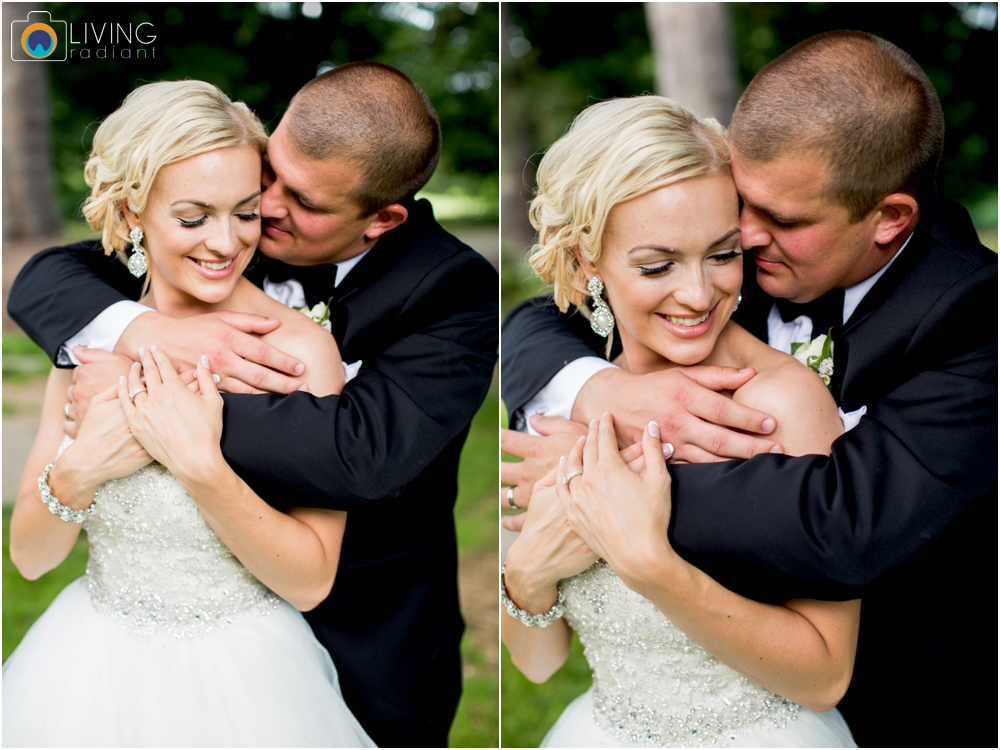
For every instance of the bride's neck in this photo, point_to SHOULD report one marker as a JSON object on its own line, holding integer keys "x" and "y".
{"x": 176, "y": 303}
{"x": 639, "y": 359}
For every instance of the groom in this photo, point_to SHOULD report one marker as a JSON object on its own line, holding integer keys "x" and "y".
{"x": 835, "y": 149}
{"x": 413, "y": 306}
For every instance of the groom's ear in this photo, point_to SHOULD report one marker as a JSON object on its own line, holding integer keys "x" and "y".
{"x": 896, "y": 213}
{"x": 385, "y": 220}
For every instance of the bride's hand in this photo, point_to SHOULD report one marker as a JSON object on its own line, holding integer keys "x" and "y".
{"x": 620, "y": 515}
{"x": 179, "y": 428}
{"x": 104, "y": 449}
{"x": 546, "y": 551}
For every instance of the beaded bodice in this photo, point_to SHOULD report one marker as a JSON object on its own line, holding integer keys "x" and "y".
{"x": 156, "y": 565}
{"x": 653, "y": 685}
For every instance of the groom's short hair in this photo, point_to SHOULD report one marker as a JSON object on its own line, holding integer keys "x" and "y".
{"x": 374, "y": 117}
{"x": 856, "y": 100}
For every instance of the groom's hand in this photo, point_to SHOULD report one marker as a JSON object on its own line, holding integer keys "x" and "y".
{"x": 245, "y": 363}
{"x": 700, "y": 422}
{"x": 539, "y": 454}
{"x": 99, "y": 371}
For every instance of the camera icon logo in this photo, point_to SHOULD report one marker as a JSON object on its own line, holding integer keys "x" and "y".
{"x": 38, "y": 37}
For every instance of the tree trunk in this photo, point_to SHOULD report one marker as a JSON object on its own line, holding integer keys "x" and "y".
{"x": 516, "y": 173}
{"x": 28, "y": 207}
{"x": 695, "y": 56}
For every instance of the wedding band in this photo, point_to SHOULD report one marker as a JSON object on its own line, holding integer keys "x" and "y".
{"x": 572, "y": 476}
{"x": 66, "y": 411}
{"x": 136, "y": 392}
{"x": 510, "y": 498}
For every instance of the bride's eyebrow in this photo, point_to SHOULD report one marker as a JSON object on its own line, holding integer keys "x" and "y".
{"x": 725, "y": 238}
{"x": 671, "y": 251}
{"x": 202, "y": 204}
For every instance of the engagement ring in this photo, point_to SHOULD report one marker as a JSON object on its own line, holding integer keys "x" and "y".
{"x": 136, "y": 392}
{"x": 571, "y": 476}
{"x": 66, "y": 411}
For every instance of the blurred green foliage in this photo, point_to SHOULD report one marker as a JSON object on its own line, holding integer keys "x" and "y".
{"x": 549, "y": 75}
{"x": 261, "y": 53}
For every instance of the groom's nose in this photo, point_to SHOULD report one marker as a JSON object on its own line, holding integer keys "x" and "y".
{"x": 753, "y": 233}
{"x": 272, "y": 201}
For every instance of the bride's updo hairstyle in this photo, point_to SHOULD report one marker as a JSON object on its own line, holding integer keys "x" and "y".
{"x": 157, "y": 124}
{"x": 613, "y": 152}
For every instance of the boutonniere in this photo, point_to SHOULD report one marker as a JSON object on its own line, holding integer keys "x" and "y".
{"x": 320, "y": 314}
{"x": 817, "y": 355}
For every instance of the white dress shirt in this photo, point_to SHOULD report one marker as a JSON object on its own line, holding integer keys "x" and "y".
{"x": 556, "y": 399}
{"x": 104, "y": 331}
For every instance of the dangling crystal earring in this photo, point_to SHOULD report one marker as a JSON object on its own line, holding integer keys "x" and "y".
{"x": 137, "y": 264}
{"x": 602, "y": 321}
{"x": 738, "y": 301}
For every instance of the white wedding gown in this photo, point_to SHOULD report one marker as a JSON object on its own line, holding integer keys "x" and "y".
{"x": 656, "y": 687}
{"x": 169, "y": 641}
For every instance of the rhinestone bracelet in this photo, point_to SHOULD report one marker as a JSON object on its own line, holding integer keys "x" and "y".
{"x": 543, "y": 620}
{"x": 56, "y": 508}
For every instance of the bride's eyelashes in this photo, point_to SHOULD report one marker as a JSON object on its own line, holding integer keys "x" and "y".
{"x": 720, "y": 258}
{"x": 656, "y": 271}
{"x": 198, "y": 222}
{"x": 727, "y": 256}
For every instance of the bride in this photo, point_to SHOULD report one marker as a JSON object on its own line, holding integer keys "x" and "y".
{"x": 636, "y": 208}
{"x": 186, "y": 630}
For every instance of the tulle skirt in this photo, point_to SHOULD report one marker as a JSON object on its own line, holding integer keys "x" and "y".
{"x": 577, "y": 728}
{"x": 79, "y": 679}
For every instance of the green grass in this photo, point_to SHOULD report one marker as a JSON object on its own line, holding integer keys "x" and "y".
{"x": 530, "y": 710}
{"x": 476, "y": 523}
{"x": 24, "y": 601}
{"x": 22, "y": 358}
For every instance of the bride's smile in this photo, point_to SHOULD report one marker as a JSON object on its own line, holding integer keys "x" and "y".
{"x": 201, "y": 224}
{"x": 670, "y": 264}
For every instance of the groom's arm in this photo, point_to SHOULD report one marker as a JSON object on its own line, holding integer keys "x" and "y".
{"x": 407, "y": 403}
{"x": 776, "y": 527}
{"x": 64, "y": 292}
{"x": 61, "y": 290}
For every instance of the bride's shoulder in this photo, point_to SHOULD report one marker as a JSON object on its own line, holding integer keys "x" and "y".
{"x": 799, "y": 401}
{"x": 300, "y": 337}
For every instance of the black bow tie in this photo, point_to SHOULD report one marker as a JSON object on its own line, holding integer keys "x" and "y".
{"x": 318, "y": 282}
{"x": 825, "y": 312}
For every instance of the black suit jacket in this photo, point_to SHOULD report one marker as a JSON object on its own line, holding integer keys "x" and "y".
{"x": 903, "y": 511}
{"x": 420, "y": 310}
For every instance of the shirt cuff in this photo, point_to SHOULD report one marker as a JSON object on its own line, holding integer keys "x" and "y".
{"x": 558, "y": 396}
{"x": 103, "y": 331}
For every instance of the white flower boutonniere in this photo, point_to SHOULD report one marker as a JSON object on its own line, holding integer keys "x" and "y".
{"x": 817, "y": 355}
{"x": 320, "y": 313}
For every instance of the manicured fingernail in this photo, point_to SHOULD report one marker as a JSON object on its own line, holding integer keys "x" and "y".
{"x": 605, "y": 414}
{"x": 135, "y": 364}
{"x": 299, "y": 369}
{"x": 654, "y": 429}
{"x": 768, "y": 425}
{"x": 562, "y": 460}
{"x": 152, "y": 348}
{"x": 303, "y": 387}
{"x": 668, "y": 450}
{"x": 776, "y": 449}
{"x": 216, "y": 378}
{"x": 142, "y": 350}
{"x": 204, "y": 361}
{"x": 581, "y": 438}
{"x": 593, "y": 422}
{"x": 121, "y": 379}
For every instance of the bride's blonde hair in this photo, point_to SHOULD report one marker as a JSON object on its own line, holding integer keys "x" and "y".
{"x": 157, "y": 124}
{"x": 613, "y": 152}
